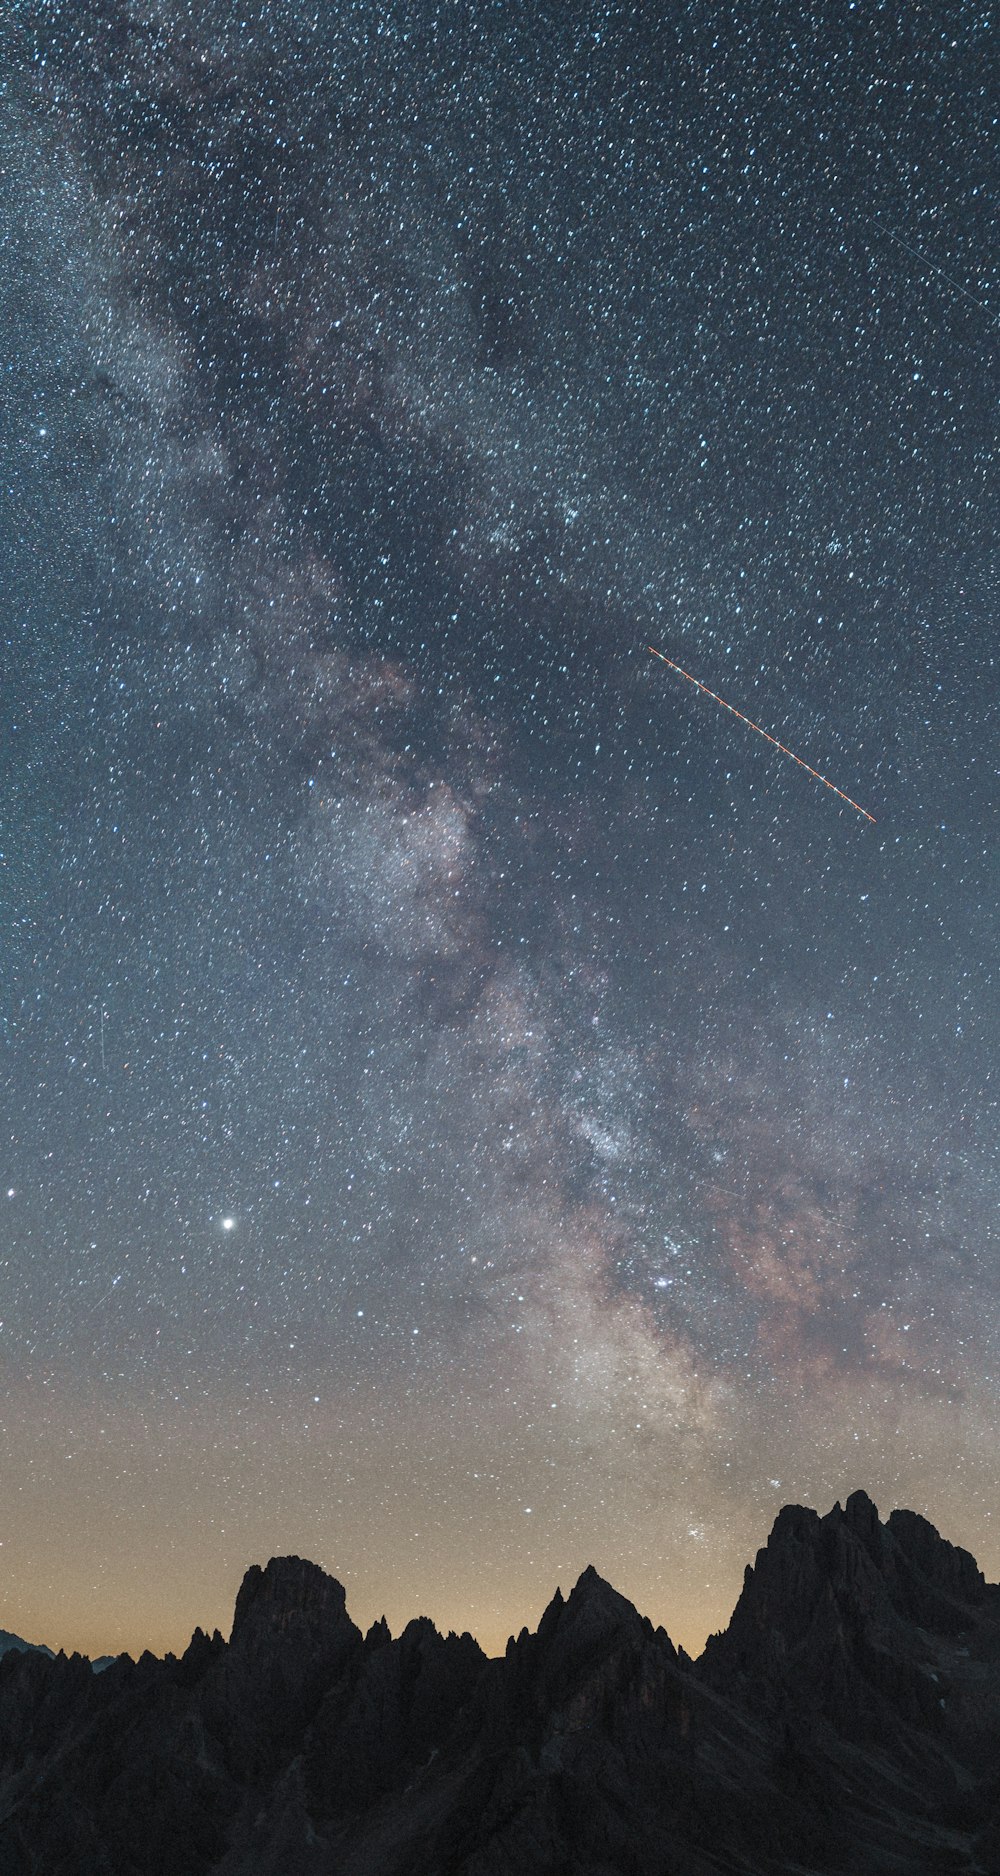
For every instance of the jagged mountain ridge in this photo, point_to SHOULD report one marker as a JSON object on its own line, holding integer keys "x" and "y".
{"x": 847, "y": 1720}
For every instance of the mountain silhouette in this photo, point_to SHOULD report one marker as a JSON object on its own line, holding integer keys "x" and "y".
{"x": 846, "y": 1722}
{"x": 8, "y": 1641}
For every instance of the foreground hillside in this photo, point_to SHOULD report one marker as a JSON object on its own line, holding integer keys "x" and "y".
{"x": 848, "y": 1720}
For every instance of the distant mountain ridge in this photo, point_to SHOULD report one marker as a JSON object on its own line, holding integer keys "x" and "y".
{"x": 8, "y": 1641}
{"x": 846, "y": 1722}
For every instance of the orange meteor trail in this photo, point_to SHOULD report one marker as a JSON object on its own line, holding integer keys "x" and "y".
{"x": 765, "y": 733}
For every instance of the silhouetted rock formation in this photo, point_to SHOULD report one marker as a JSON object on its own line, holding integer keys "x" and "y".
{"x": 847, "y": 1721}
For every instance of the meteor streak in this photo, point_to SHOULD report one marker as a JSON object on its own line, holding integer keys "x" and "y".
{"x": 765, "y": 733}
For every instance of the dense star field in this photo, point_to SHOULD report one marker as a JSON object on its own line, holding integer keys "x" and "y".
{"x": 468, "y": 1106}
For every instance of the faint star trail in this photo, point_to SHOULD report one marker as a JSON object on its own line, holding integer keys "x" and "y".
{"x": 932, "y": 266}
{"x": 762, "y": 732}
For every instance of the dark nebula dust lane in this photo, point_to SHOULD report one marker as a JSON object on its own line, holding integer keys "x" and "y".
{"x": 468, "y": 1109}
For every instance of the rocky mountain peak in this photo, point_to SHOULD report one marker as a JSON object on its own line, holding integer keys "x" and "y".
{"x": 950, "y": 1569}
{"x": 288, "y": 1598}
{"x": 584, "y": 1638}
{"x": 862, "y": 1515}
{"x": 593, "y": 1603}
{"x": 835, "y": 1611}
{"x": 379, "y": 1635}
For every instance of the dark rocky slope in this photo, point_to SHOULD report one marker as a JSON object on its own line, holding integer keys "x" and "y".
{"x": 848, "y": 1720}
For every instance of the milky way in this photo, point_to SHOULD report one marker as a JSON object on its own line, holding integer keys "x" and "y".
{"x": 468, "y": 1109}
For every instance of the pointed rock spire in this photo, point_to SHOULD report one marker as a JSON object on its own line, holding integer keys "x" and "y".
{"x": 288, "y": 1597}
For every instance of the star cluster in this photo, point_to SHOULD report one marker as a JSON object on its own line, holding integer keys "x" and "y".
{"x": 468, "y": 1107}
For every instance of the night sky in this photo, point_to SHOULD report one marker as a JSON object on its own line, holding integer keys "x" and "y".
{"x": 469, "y": 1107}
